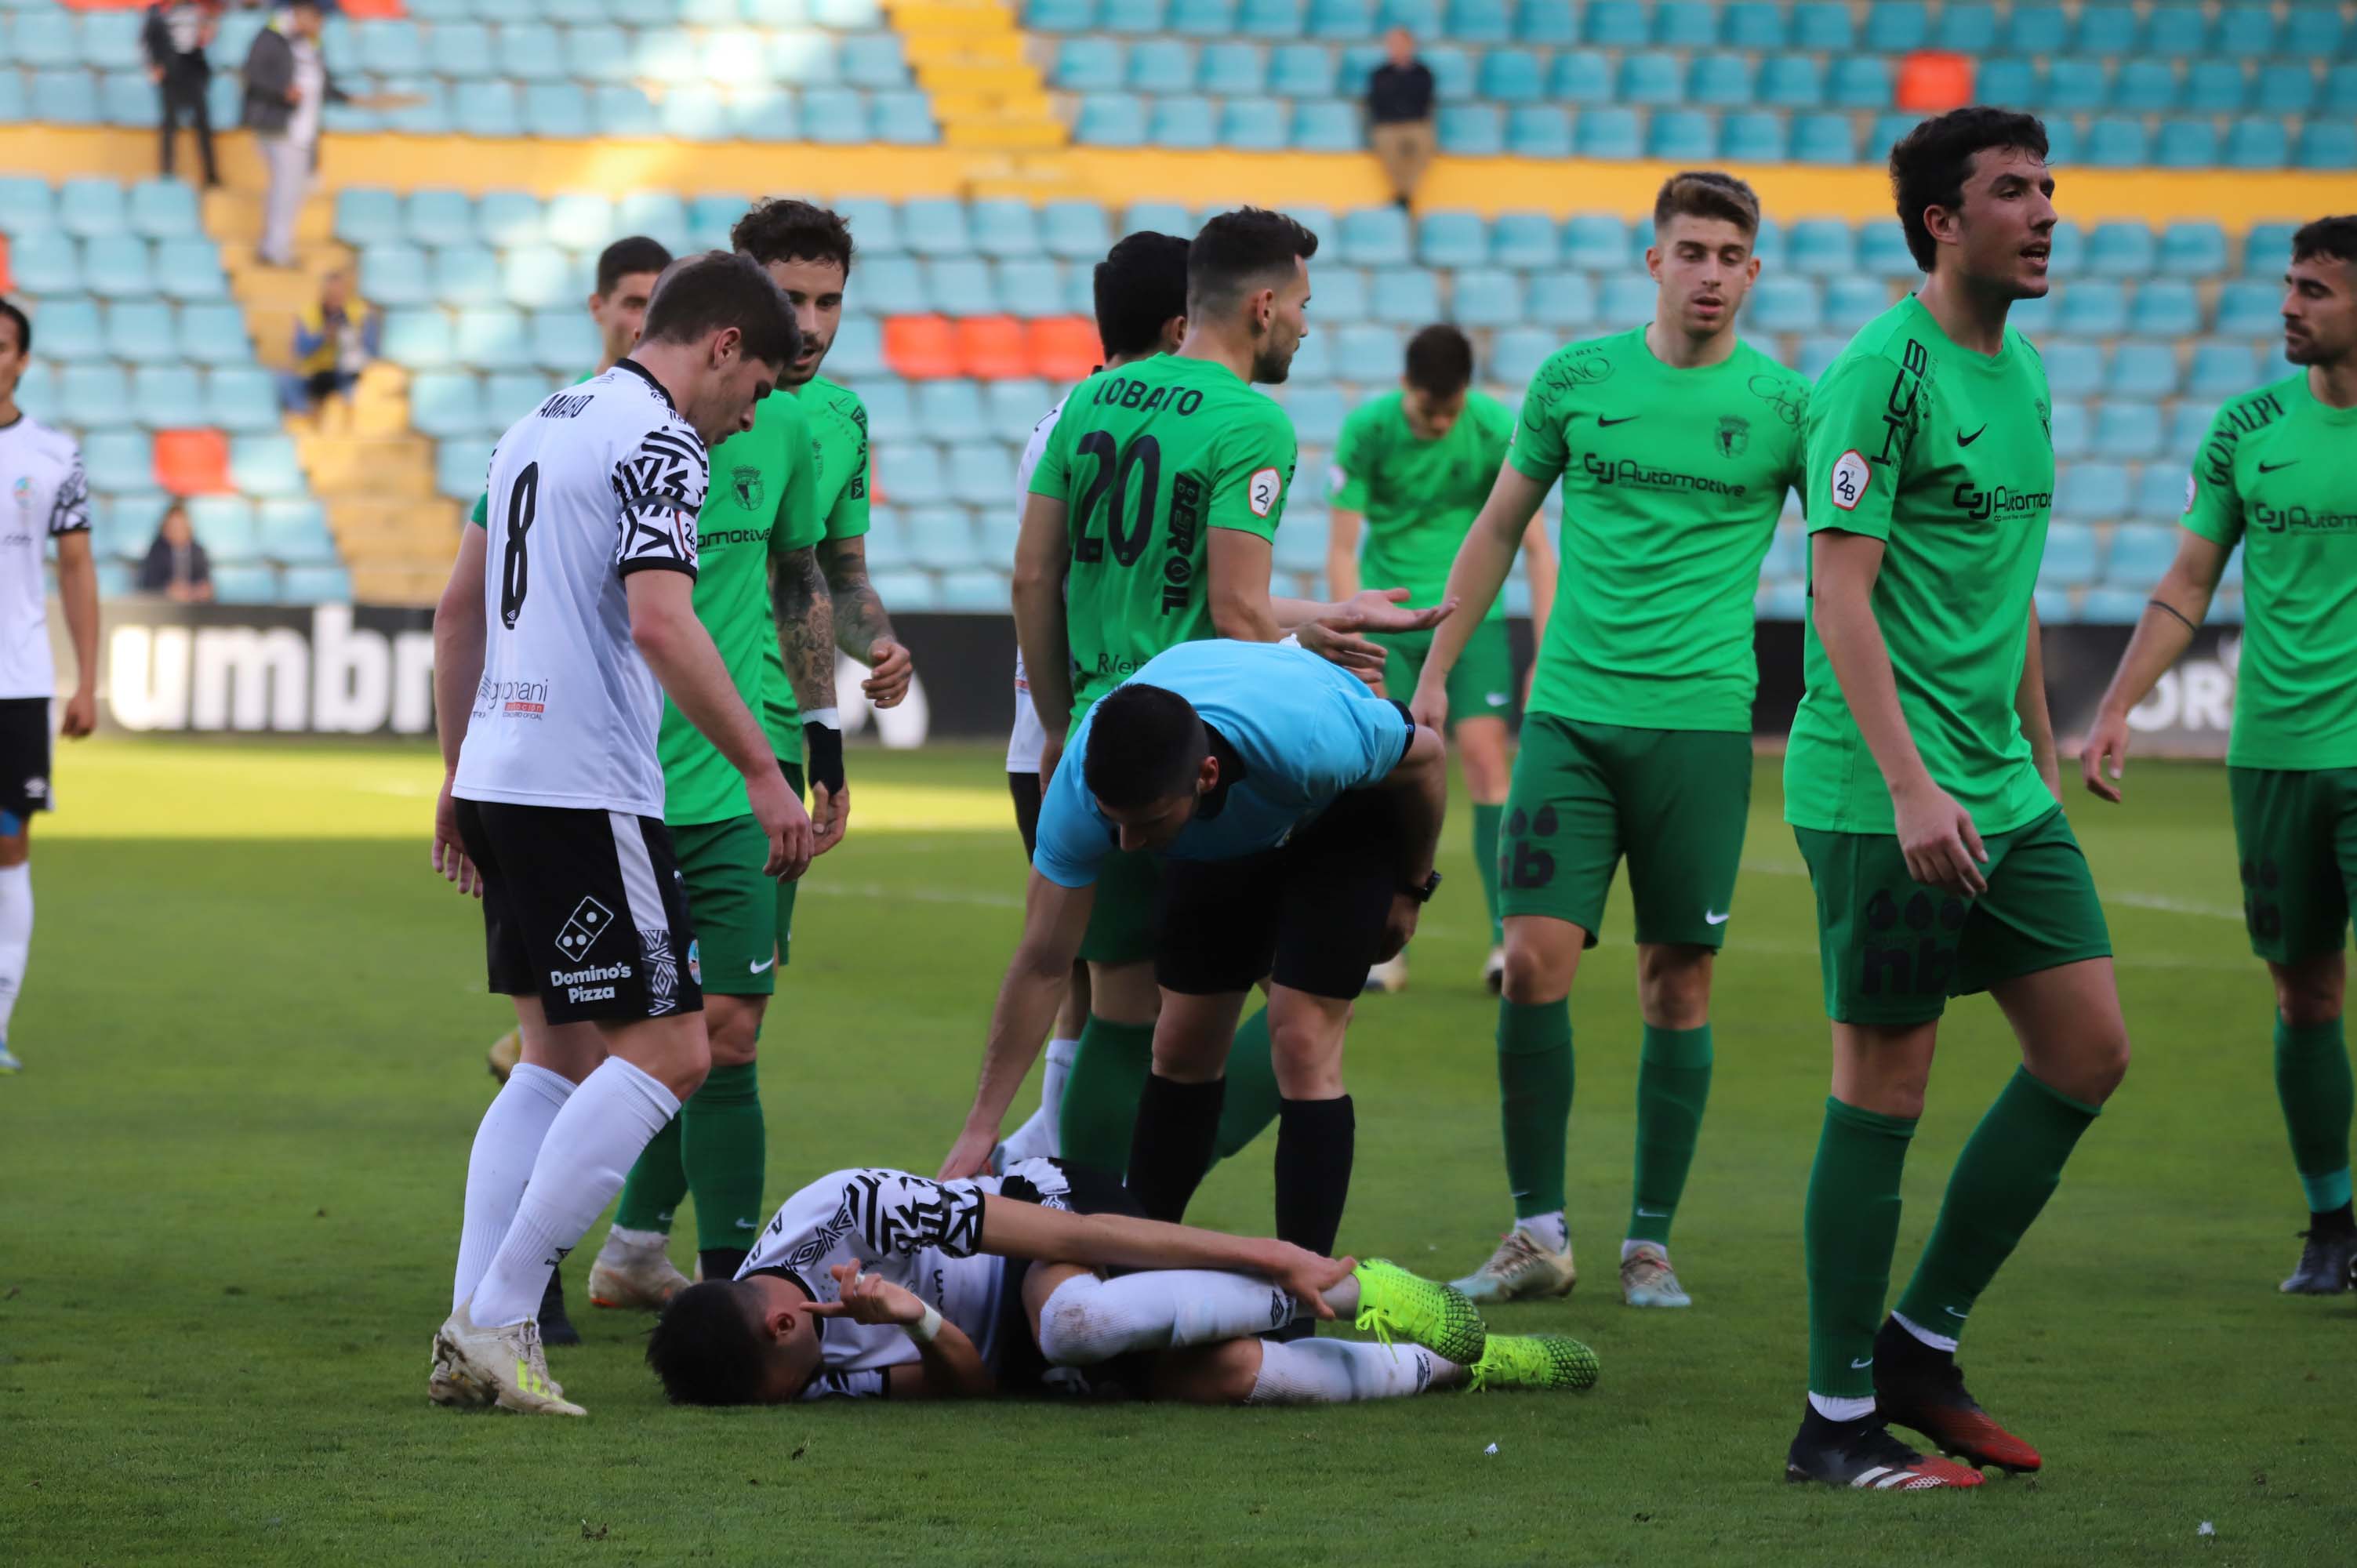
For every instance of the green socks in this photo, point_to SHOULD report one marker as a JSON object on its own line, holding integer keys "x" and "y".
{"x": 724, "y": 1148}
{"x": 656, "y": 1184}
{"x": 2313, "y": 1082}
{"x": 1251, "y": 1101}
{"x": 1672, "y": 1086}
{"x": 2009, "y": 1169}
{"x": 1849, "y": 1229}
{"x": 1485, "y": 860}
{"x": 1101, "y": 1093}
{"x": 1535, "y": 1069}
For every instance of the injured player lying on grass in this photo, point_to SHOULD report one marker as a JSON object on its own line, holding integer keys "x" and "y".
{"x": 874, "y": 1283}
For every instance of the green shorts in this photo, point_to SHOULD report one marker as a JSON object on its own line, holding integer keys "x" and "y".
{"x": 1673, "y": 801}
{"x": 1121, "y": 921}
{"x": 2296, "y": 833}
{"x": 786, "y": 890}
{"x": 1480, "y": 686}
{"x": 1894, "y": 950}
{"x": 728, "y": 898}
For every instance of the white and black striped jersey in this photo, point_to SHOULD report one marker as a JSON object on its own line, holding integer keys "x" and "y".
{"x": 921, "y": 1235}
{"x": 602, "y": 480}
{"x": 1028, "y": 739}
{"x": 43, "y": 493}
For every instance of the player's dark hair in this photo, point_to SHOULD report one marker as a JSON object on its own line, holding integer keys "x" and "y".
{"x": 1140, "y": 286}
{"x": 705, "y": 1347}
{"x": 785, "y": 230}
{"x": 1145, "y": 743}
{"x": 720, "y": 289}
{"x": 1707, "y": 193}
{"x": 635, "y": 254}
{"x": 1440, "y": 361}
{"x": 1251, "y": 247}
{"x": 2334, "y": 237}
{"x": 24, "y": 325}
{"x": 1930, "y": 164}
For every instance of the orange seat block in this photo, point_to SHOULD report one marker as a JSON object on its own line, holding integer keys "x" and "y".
{"x": 1065, "y": 348}
{"x": 192, "y": 462}
{"x": 8, "y": 282}
{"x": 991, "y": 348}
{"x": 922, "y": 348}
{"x": 1932, "y": 81}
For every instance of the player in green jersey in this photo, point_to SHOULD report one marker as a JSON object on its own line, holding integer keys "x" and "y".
{"x": 1148, "y": 524}
{"x": 1416, "y": 465}
{"x": 1920, "y": 782}
{"x": 2278, "y": 475}
{"x": 1675, "y": 445}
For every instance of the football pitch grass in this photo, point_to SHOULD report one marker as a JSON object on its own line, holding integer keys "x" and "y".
{"x": 255, "y": 1028}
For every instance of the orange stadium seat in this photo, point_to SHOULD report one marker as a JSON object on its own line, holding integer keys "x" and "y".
{"x": 7, "y": 279}
{"x": 991, "y": 348}
{"x": 1064, "y": 349}
{"x": 922, "y": 348}
{"x": 1931, "y": 81}
{"x": 192, "y": 462}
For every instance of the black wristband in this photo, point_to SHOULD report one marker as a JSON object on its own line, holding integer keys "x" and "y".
{"x": 822, "y": 755}
{"x": 2168, "y": 609}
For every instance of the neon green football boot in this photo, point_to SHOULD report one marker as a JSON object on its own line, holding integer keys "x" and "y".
{"x": 1552, "y": 1362}
{"x": 1396, "y": 1304}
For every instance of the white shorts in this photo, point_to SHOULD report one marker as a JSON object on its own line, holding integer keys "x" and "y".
{"x": 1029, "y": 738}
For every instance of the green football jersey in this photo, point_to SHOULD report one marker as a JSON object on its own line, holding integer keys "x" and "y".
{"x": 1418, "y": 495}
{"x": 1947, "y": 457}
{"x": 2277, "y": 473}
{"x": 1673, "y": 481}
{"x": 838, "y": 426}
{"x": 482, "y": 512}
{"x": 1147, "y": 458}
{"x": 761, "y": 505}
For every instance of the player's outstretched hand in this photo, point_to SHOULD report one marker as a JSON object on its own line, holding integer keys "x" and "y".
{"x": 450, "y": 850}
{"x": 1385, "y": 609}
{"x": 2106, "y": 751}
{"x": 888, "y": 680}
{"x": 783, "y": 821}
{"x": 1942, "y": 848}
{"x": 969, "y": 1156}
{"x": 1334, "y": 640}
{"x": 80, "y": 718}
{"x": 830, "y": 817}
{"x": 868, "y": 1298}
{"x": 1305, "y": 1275}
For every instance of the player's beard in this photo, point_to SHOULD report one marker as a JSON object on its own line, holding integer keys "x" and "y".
{"x": 796, "y": 377}
{"x": 1272, "y": 365}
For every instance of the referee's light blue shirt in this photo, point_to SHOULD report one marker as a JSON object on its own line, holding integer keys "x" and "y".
{"x": 1304, "y": 729}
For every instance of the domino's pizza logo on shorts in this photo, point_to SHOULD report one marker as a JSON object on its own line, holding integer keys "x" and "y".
{"x": 587, "y": 924}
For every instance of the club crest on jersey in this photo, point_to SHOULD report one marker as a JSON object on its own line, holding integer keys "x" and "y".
{"x": 583, "y": 927}
{"x": 1734, "y": 435}
{"x": 745, "y": 479}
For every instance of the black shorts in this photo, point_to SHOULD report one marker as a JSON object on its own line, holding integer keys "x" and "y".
{"x": 1025, "y": 787}
{"x": 1022, "y": 1371}
{"x": 24, "y": 758}
{"x": 1309, "y": 915}
{"x": 585, "y": 909}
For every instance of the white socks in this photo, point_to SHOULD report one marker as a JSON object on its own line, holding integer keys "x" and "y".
{"x": 1338, "y": 1371}
{"x": 16, "y": 935}
{"x": 588, "y": 1149}
{"x": 1937, "y": 1341}
{"x": 506, "y": 1144}
{"x": 1036, "y": 1139}
{"x": 1553, "y": 1230}
{"x": 1086, "y": 1320}
{"x": 1833, "y": 1409}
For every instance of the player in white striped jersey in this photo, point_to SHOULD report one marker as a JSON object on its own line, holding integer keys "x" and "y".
{"x": 44, "y": 496}
{"x": 551, "y": 667}
{"x": 874, "y": 1283}
{"x": 1141, "y": 293}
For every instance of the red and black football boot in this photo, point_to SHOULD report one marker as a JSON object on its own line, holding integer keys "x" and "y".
{"x": 1863, "y": 1453}
{"x": 1923, "y": 1389}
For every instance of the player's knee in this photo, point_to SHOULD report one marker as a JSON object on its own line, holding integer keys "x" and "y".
{"x": 1227, "y": 1372}
{"x": 1673, "y": 986}
{"x": 2103, "y": 1065}
{"x": 2310, "y": 994}
{"x": 733, "y": 1032}
{"x": 1536, "y": 971}
{"x": 1074, "y": 1330}
{"x": 1307, "y": 1054}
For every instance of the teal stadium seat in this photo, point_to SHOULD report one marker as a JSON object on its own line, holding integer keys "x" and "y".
{"x": 1185, "y": 122}
{"x": 1753, "y": 136}
{"x": 1561, "y": 301}
{"x": 1160, "y": 218}
{"x": 189, "y": 269}
{"x": 1719, "y": 81}
{"x": 1075, "y": 230}
{"x": 446, "y": 403}
{"x": 2186, "y": 144}
{"x": 1596, "y": 243}
{"x": 1314, "y": 361}
{"x": 1615, "y": 24}
{"x": 2039, "y": 29}
{"x": 466, "y": 275}
{"x": 2314, "y": 32}
{"x": 2285, "y": 88}
{"x": 1012, "y": 407}
{"x": 1160, "y": 65}
{"x": 908, "y": 473}
{"x": 2008, "y": 80}
{"x": 1516, "y": 354}
{"x": 1791, "y": 81}
{"x": 1852, "y": 302}
{"x": 1755, "y": 25}
{"x": 66, "y": 98}
{"x": 1549, "y": 26}
{"x": 167, "y": 396}
{"x": 2075, "y": 84}
{"x": 1110, "y": 120}
{"x": 2165, "y": 308}
{"x": 1860, "y": 81}
{"x": 2256, "y": 142}
{"x": 875, "y": 61}
{"x": 2266, "y": 248}
{"x": 1408, "y": 296}
{"x": 961, "y": 285}
{"x": 2328, "y": 145}
{"x": 1318, "y": 413}
{"x": 1481, "y": 21}
{"x": 1487, "y": 296}
{"x": 2221, "y": 369}
{"x": 805, "y": 59}
{"x": 436, "y": 217}
{"x": 1342, "y": 296}
{"x": 2117, "y": 141}
{"x": 1342, "y": 20}
{"x": 875, "y": 224}
{"x": 127, "y": 98}
{"x": 539, "y": 277}
{"x": 92, "y": 209}
{"x": 1005, "y": 227}
{"x": 2245, "y": 32}
{"x": 1822, "y": 25}
{"x": 2144, "y": 87}
{"x": 1543, "y": 131}
{"x": 1651, "y": 78}
{"x": 1581, "y": 76}
{"x": 564, "y": 341}
{"x": 414, "y": 339}
{"x": 1895, "y": 26}
{"x": 2215, "y": 87}
{"x": 1059, "y": 16}
{"x": 557, "y": 110}
{"x": 2072, "y": 370}
{"x": 28, "y": 206}
{"x": 1681, "y": 137}
{"x": 2179, "y": 31}
{"x": 936, "y": 226}
{"x": 214, "y": 335}
{"x": 1685, "y": 25}
{"x": 1373, "y": 237}
{"x": 140, "y": 331}
{"x": 858, "y": 351}
{"x": 1130, "y": 17}
{"x": 510, "y": 395}
{"x": 531, "y": 52}
{"x": 2091, "y": 492}
{"x": 2193, "y": 250}
{"x": 225, "y": 526}
{"x": 266, "y": 466}
{"x": 837, "y": 117}
{"x": 1367, "y": 354}
{"x": 982, "y": 474}
{"x": 950, "y": 410}
{"x": 2141, "y": 555}
{"x": 1821, "y": 247}
{"x": 2127, "y": 431}
{"x": 2072, "y": 430}
{"x": 1612, "y": 134}
{"x": 491, "y": 338}
{"x": 694, "y": 116}
{"x": 1817, "y": 354}
{"x": 69, "y": 328}
{"x": 1452, "y": 240}
{"x": 1326, "y": 126}
{"x": 45, "y": 38}
{"x": 1785, "y": 305}
{"x": 2121, "y": 250}
{"x": 1472, "y": 130}
{"x": 2072, "y": 556}
{"x": 891, "y": 408}
{"x": 314, "y": 584}
{"x": 388, "y": 48}
{"x": 1628, "y": 300}
{"x": 1824, "y": 139}
{"x": 1230, "y": 70}
{"x": 889, "y": 286}
{"x": 1203, "y": 18}
{"x": 461, "y": 51}
{"x": 1512, "y": 76}
{"x": 1526, "y": 241}
{"x": 1303, "y": 70}
{"x": 1966, "y": 28}
{"x": 122, "y": 267}
{"x": 47, "y": 261}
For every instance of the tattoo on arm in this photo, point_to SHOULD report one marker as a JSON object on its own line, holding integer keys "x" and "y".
{"x": 805, "y": 613}
{"x": 859, "y": 614}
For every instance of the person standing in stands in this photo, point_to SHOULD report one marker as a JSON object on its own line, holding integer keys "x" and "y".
{"x": 174, "y": 38}
{"x": 287, "y": 86}
{"x": 1399, "y": 115}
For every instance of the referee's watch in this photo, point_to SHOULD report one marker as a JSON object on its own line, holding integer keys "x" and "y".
{"x": 1423, "y": 891}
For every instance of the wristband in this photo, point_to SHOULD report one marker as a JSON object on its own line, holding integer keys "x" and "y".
{"x": 823, "y": 749}
{"x": 925, "y": 1327}
{"x": 1290, "y": 640}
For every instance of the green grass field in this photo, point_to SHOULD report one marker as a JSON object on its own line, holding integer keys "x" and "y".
{"x": 254, "y": 1029}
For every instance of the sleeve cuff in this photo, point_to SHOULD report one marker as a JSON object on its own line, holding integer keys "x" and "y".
{"x": 655, "y": 564}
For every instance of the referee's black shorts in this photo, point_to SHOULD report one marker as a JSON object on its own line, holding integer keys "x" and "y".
{"x": 1309, "y": 915}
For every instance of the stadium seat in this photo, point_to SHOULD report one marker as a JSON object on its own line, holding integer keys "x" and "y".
{"x": 1895, "y": 26}
{"x": 314, "y": 583}
{"x": 1074, "y": 231}
{"x": 1516, "y": 355}
{"x": 579, "y": 221}
{"x": 1719, "y": 81}
{"x": 2328, "y": 145}
{"x": 121, "y": 267}
{"x": 2093, "y": 308}
{"x": 1526, "y": 241}
{"x": 2144, "y": 87}
{"x": 2074, "y": 84}
{"x": 2008, "y": 80}
{"x": 1452, "y": 240}
{"x": 214, "y": 334}
{"x": 440, "y": 218}
{"x": 1852, "y": 302}
{"x": 1326, "y": 126}
{"x": 1202, "y": 18}
{"x": 1342, "y": 295}
{"x": 1822, "y": 25}
{"x": 936, "y": 226}
{"x": 558, "y": 109}
{"x": 1010, "y": 408}
{"x": 2091, "y": 492}
{"x": 2341, "y": 90}
{"x": 1754, "y": 25}
{"x": 1860, "y": 82}
{"x": 1681, "y": 137}
{"x": 225, "y": 526}
{"x": 1512, "y": 76}
{"x": 140, "y": 331}
{"x": 467, "y": 274}
{"x": 2221, "y": 370}
{"x": 1561, "y": 301}
{"x": 1130, "y": 16}
{"x": 564, "y": 341}
{"x": 2117, "y": 141}
{"x": 2266, "y": 248}
{"x": 1486, "y": 296}
{"x": 1610, "y": 134}
{"x": 993, "y": 348}
{"x": 71, "y": 329}
{"x": 1108, "y": 120}
{"x": 981, "y": 474}
{"x": 1160, "y": 65}
{"x": 2287, "y": 87}
{"x": 1472, "y": 130}
{"x": 1651, "y": 78}
{"x": 266, "y": 466}
{"x": 1790, "y": 82}
{"x": 1752, "y": 136}
{"x": 1824, "y": 139}
{"x": 1408, "y": 296}
{"x": 1373, "y": 237}
{"x": 91, "y": 209}
{"x": 491, "y": 338}
{"x": 2215, "y": 87}
{"x": 2072, "y": 431}
{"x": 1481, "y": 21}
{"x": 2121, "y": 250}
{"x": 192, "y": 461}
{"x": 909, "y": 473}
{"x": 2166, "y": 309}
{"x": 2257, "y": 142}
{"x": 960, "y": 286}
{"x": 2072, "y": 556}
{"x": 2186, "y": 144}
{"x": 1185, "y": 122}
{"x": 2074, "y": 369}
{"x": 1784, "y": 304}
{"x": 1821, "y": 247}
{"x": 1302, "y": 70}
{"x": 2127, "y": 431}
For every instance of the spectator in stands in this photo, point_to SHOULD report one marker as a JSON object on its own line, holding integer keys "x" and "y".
{"x": 175, "y": 39}
{"x": 333, "y": 341}
{"x": 287, "y": 86}
{"x": 1399, "y": 114}
{"x": 176, "y": 565}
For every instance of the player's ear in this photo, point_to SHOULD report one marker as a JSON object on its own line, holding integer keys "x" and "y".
{"x": 1207, "y": 777}
{"x": 725, "y": 345}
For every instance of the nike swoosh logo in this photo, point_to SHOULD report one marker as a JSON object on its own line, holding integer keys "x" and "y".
{"x": 1495, "y": 699}
{"x": 1653, "y": 1214}
{"x": 1604, "y": 424}
{"x": 748, "y": 1225}
{"x": 1710, "y": 918}
{"x": 2271, "y": 468}
{"x": 1965, "y": 440}
{"x": 1951, "y": 1312}
{"x": 1860, "y": 1366}
{"x": 765, "y": 965}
